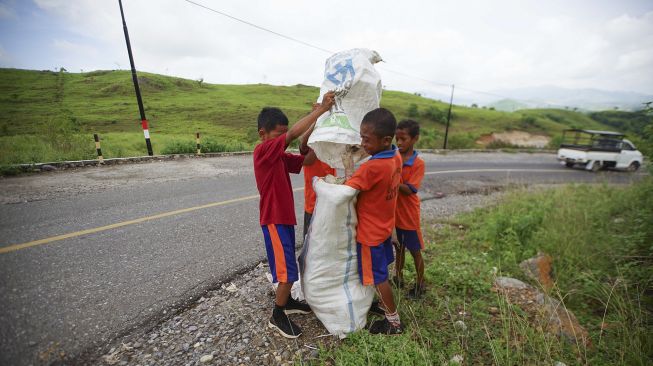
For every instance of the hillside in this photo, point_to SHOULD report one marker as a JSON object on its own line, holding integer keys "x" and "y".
{"x": 50, "y": 115}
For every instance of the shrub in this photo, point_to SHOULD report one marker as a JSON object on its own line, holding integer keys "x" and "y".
{"x": 413, "y": 110}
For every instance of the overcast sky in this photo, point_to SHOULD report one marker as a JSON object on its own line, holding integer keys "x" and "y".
{"x": 482, "y": 45}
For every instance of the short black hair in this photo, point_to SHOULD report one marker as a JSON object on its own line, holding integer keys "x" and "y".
{"x": 270, "y": 117}
{"x": 383, "y": 122}
{"x": 411, "y": 126}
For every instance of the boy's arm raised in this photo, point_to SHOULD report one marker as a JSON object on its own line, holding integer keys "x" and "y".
{"x": 305, "y": 123}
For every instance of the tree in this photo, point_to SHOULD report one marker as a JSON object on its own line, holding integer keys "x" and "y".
{"x": 200, "y": 81}
{"x": 474, "y": 105}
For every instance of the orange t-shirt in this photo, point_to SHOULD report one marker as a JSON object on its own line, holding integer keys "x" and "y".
{"x": 408, "y": 206}
{"x": 317, "y": 169}
{"x": 378, "y": 181}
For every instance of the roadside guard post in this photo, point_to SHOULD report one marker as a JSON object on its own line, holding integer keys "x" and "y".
{"x": 97, "y": 148}
{"x": 197, "y": 139}
{"x": 146, "y": 131}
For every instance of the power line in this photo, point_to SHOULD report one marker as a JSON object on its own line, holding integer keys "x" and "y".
{"x": 261, "y": 28}
{"x": 293, "y": 39}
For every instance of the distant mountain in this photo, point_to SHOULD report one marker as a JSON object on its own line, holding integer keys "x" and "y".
{"x": 582, "y": 99}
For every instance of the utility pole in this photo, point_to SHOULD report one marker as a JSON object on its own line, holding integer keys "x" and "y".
{"x": 446, "y": 132}
{"x": 146, "y": 131}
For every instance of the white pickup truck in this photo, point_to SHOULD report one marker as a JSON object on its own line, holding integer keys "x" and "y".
{"x": 597, "y": 150}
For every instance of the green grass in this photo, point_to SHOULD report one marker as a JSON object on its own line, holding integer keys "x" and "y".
{"x": 103, "y": 102}
{"x": 601, "y": 239}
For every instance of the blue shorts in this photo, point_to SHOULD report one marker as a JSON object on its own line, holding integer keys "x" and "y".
{"x": 410, "y": 239}
{"x": 373, "y": 262}
{"x": 280, "y": 247}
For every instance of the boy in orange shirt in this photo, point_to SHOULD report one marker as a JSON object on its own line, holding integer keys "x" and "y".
{"x": 378, "y": 181}
{"x": 313, "y": 167}
{"x": 407, "y": 223}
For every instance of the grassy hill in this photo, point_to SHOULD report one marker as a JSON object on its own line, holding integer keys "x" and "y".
{"x": 49, "y": 116}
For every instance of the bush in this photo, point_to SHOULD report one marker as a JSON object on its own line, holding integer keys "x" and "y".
{"x": 179, "y": 147}
{"x": 461, "y": 141}
{"x": 434, "y": 114}
{"x": 413, "y": 111}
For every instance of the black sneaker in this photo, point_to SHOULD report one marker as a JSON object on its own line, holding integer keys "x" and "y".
{"x": 285, "y": 326}
{"x": 385, "y": 327}
{"x": 297, "y": 307}
{"x": 417, "y": 291}
{"x": 376, "y": 309}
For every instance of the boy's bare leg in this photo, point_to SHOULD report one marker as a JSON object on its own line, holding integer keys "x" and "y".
{"x": 399, "y": 263}
{"x": 419, "y": 266}
{"x": 387, "y": 299}
{"x": 282, "y": 294}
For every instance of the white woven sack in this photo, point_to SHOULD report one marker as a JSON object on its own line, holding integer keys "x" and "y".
{"x": 358, "y": 90}
{"x": 328, "y": 262}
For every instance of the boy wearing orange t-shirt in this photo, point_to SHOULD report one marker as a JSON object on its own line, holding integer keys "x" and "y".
{"x": 313, "y": 167}
{"x": 407, "y": 221}
{"x": 378, "y": 180}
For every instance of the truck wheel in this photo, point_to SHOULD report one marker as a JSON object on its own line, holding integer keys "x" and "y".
{"x": 596, "y": 166}
{"x": 569, "y": 164}
{"x": 633, "y": 166}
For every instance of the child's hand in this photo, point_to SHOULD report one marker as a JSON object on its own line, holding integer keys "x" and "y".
{"x": 328, "y": 100}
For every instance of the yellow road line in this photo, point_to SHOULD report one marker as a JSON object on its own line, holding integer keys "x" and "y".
{"x": 15, "y": 247}
{"x": 12, "y": 248}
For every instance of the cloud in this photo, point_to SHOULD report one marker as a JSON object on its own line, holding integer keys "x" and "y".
{"x": 484, "y": 46}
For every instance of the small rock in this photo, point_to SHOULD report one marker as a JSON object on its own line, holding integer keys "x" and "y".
{"x": 186, "y": 347}
{"x": 539, "y": 268}
{"x": 507, "y": 282}
{"x": 456, "y": 359}
{"x": 206, "y": 358}
{"x": 558, "y": 363}
{"x": 137, "y": 345}
{"x": 47, "y": 168}
{"x": 192, "y": 328}
{"x": 31, "y": 343}
{"x": 493, "y": 310}
{"x": 460, "y": 325}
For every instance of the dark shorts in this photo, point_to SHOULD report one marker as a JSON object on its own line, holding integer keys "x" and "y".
{"x": 373, "y": 262}
{"x": 280, "y": 248}
{"x": 410, "y": 239}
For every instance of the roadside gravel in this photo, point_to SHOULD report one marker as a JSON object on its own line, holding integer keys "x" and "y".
{"x": 228, "y": 326}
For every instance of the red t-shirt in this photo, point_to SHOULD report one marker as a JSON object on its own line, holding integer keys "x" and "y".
{"x": 271, "y": 167}
{"x": 378, "y": 181}
{"x": 408, "y": 206}
{"x": 317, "y": 169}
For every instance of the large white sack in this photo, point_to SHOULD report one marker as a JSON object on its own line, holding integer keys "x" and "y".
{"x": 358, "y": 88}
{"x": 328, "y": 261}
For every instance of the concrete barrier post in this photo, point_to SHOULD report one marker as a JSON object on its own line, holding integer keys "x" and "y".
{"x": 97, "y": 148}
{"x": 197, "y": 139}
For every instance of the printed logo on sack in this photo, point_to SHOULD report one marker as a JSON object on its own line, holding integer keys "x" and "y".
{"x": 342, "y": 71}
{"x": 337, "y": 119}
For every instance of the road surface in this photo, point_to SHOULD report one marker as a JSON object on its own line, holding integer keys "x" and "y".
{"x": 92, "y": 254}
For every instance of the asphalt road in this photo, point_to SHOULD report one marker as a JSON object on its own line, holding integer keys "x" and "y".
{"x": 74, "y": 294}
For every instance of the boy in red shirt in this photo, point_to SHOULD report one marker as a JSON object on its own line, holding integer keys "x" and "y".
{"x": 378, "y": 181}
{"x": 407, "y": 223}
{"x": 277, "y": 207}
